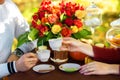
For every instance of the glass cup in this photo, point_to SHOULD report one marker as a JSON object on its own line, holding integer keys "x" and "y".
{"x": 59, "y": 56}
{"x": 113, "y": 34}
{"x": 43, "y": 55}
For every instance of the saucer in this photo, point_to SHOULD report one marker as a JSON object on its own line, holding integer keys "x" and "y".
{"x": 43, "y": 68}
{"x": 69, "y": 67}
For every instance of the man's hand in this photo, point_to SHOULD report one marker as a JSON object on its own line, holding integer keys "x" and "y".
{"x": 26, "y": 62}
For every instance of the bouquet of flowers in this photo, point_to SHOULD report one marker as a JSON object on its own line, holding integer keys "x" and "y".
{"x": 54, "y": 20}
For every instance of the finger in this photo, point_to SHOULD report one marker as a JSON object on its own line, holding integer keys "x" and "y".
{"x": 87, "y": 67}
{"x": 90, "y": 73}
{"x": 66, "y": 42}
{"x": 67, "y": 38}
{"x": 29, "y": 66}
{"x": 32, "y": 60}
{"x": 86, "y": 70}
{"x": 30, "y": 55}
{"x": 66, "y": 47}
{"x": 32, "y": 65}
{"x": 89, "y": 64}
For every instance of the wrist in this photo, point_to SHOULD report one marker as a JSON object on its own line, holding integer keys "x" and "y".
{"x": 114, "y": 69}
{"x": 17, "y": 66}
{"x": 87, "y": 49}
{"x": 18, "y": 52}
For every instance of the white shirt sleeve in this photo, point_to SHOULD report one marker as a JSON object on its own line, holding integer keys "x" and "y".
{"x": 27, "y": 47}
{"x": 7, "y": 69}
{"x": 21, "y": 26}
{"x": 3, "y": 70}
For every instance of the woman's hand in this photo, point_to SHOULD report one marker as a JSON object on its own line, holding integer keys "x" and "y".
{"x": 73, "y": 45}
{"x": 99, "y": 68}
{"x": 70, "y": 44}
{"x": 26, "y": 62}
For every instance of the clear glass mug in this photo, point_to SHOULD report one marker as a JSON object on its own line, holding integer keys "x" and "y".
{"x": 113, "y": 36}
{"x": 57, "y": 56}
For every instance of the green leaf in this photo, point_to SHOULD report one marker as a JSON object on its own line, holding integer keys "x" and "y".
{"x": 62, "y": 17}
{"x": 82, "y": 34}
{"x": 41, "y": 41}
{"x": 22, "y": 39}
{"x": 107, "y": 44}
{"x": 48, "y": 24}
{"x": 49, "y": 36}
{"x": 44, "y": 40}
{"x": 33, "y": 34}
{"x": 35, "y": 9}
{"x": 38, "y": 22}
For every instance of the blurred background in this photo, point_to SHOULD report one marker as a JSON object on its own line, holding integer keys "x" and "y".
{"x": 110, "y": 12}
{"x": 110, "y": 8}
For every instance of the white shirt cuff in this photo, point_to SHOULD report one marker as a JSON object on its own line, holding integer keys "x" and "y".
{"x": 4, "y": 70}
{"x": 14, "y": 66}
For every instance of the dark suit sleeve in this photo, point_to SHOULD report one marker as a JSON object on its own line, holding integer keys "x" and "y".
{"x": 108, "y": 55}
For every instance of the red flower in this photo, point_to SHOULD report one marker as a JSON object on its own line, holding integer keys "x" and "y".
{"x": 56, "y": 10}
{"x": 35, "y": 17}
{"x": 41, "y": 34}
{"x": 58, "y": 23}
{"x": 68, "y": 13}
{"x": 45, "y": 2}
{"x": 78, "y": 23}
{"x": 66, "y": 32}
{"x": 34, "y": 24}
{"x": 46, "y": 6}
{"x": 52, "y": 18}
{"x": 43, "y": 29}
{"x": 44, "y": 20}
{"x": 82, "y": 8}
{"x": 69, "y": 22}
{"x": 41, "y": 14}
{"x": 70, "y": 8}
{"x": 38, "y": 27}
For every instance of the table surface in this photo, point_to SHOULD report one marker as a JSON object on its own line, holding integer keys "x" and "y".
{"x": 58, "y": 75}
